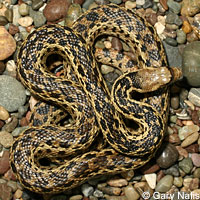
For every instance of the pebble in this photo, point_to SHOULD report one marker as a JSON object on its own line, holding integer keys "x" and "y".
{"x": 130, "y": 4}
{"x": 175, "y": 102}
{"x": 76, "y": 197}
{"x": 19, "y": 130}
{"x": 196, "y": 173}
{"x": 128, "y": 175}
{"x": 174, "y": 6}
{"x": 117, "y": 182}
{"x": 38, "y": 18}
{"x": 192, "y": 37}
{"x": 5, "y": 192}
{"x": 18, "y": 194}
{"x": 16, "y": 15}
{"x": 149, "y": 168}
{"x": 3, "y": 21}
{"x": 37, "y": 4}
{"x": 11, "y": 125}
{"x": 151, "y": 180}
{"x": 167, "y": 155}
{"x": 12, "y": 93}
{"x": 171, "y": 41}
{"x": 74, "y": 11}
{"x": 4, "y": 114}
{"x": 9, "y": 15}
{"x": 186, "y": 27}
{"x": 4, "y": 162}
{"x": 193, "y": 148}
{"x": 56, "y": 10}
{"x": 131, "y": 193}
{"x": 98, "y": 193}
{"x": 110, "y": 190}
{"x": 186, "y": 165}
{"x": 7, "y": 43}
{"x": 191, "y": 63}
{"x": 159, "y": 28}
{"x": 25, "y": 21}
{"x": 87, "y": 190}
{"x": 23, "y": 9}
{"x": 164, "y": 4}
{"x": 6, "y": 139}
{"x": 164, "y": 184}
{"x": 140, "y": 2}
{"x": 13, "y": 185}
{"x": 194, "y": 96}
{"x": 181, "y": 37}
{"x": 196, "y": 159}
{"x": 190, "y": 8}
{"x": 116, "y": 1}
{"x": 190, "y": 139}
{"x": 182, "y": 152}
{"x": 173, "y": 170}
{"x": 185, "y": 131}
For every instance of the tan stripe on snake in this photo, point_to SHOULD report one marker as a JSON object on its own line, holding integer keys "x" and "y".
{"x": 89, "y": 102}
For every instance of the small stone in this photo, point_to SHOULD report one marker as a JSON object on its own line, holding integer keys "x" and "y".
{"x": 4, "y": 162}
{"x": 182, "y": 151}
{"x": 131, "y": 193}
{"x": 19, "y": 130}
{"x": 116, "y": 44}
{"x": 181, "y": 37}
{"x": 168, "y": 155}
{"x": 178, "y": 181}
{"x": 130, "y": 5}
{"x": 6, "y": 139}
{"x": 76, "y": 197}
{"x": 38, "y": 18}
{"x": 196, "y": 159}
{"x": 186, "y": 27}
{"x": 105, "y": 69}
{"x": 4, "y": 114}
{"x": 5, "y": 192}
{"x": 87, "y": 190}
{"x": 171, "y": 41}
{"x": 159, "y": 28}
{"x": 116, "y": 1}
{"x": 12, "y": 93}
{"x": 173, "y": 170}
{"x": 194, "y": 96}
{"x": 174, "y": 6}
{"x": 192, "y": 37}
{"x": 190, "y": 139}
{"x": 12, "y": 184}
{"x": 74, "y": 11}
{"x": 37, "y": 4}
{"x": 24, "y": 9}
{"x": 185, "y": 131}
{"x": 9, "y": 15}
{"x": 193, "y": 148}
{"x": 164, "y": 4}
{"x": 16, "y": 14}
{"x": 13, "y": 29}
{"x": 194, "y": 184}
{"x": 110, "y": 190}
{"x": 25, "y": 21}
{"x": 3, "y": 21}
{"x": 151, "y": 180}
{"x": 140, "y": 2}
{"x": 7, "y": 43}
{"x": 186, "y": 165}
{"x": 164, "y": 184}
{"x": 117, "y": 182}
{"x": 18, "y": 194}
{"x": 149, "y": 168}
{"x": 11, "y": 125}
{"x": 196, "y": 173}
{"x": 128, "y": 175}
{"x": 56, "y": 9}
{"x": 175, "y": 102}
{"x": 190, "y": 8}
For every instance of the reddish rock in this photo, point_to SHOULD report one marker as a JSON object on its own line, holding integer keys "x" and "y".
{"x": 13, "y": 29}
{"x": 56, "y": 9}
{"x": 4, "y": 162}
{"x": 5, "y": 191}
{"x": 149, "y": 168}
{"x": 193, "y": 148}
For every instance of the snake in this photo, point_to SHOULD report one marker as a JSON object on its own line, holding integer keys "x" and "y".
{"x": 98, "y": 114}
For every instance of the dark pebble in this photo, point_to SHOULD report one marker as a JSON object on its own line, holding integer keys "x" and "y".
{"x": 3, "y": 21}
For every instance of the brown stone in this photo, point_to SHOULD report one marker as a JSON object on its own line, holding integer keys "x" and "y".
{"x": 5, "y": 191}
{"x": 7, "y": 44}
{"x": 13, "y": 29}
{"x": 116, "y": 44}
{"x": 149, "y": 168}
{"x": 186, "y": 27}
{"x": 164, "y": 4}
{"x": 4, "y": 162}
{"x": 56, "y": 9}
{"x": 193, "y": 148}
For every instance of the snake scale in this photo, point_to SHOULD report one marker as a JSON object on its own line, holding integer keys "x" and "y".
{"x": 82, "y": 92}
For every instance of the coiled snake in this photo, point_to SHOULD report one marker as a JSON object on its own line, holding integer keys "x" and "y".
{"x": 83, "y": 93}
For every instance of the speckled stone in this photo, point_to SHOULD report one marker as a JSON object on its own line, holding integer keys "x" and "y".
{"x": 186, "y": 165}
{"x": 164, "y": 184}
{"x": 12, "y": 93}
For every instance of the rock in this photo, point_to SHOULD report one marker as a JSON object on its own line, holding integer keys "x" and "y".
{"x": 18, "y": 194}
{"x": 175, "y": 102}
{"x": 76, "y": 197}
{"x": 16, "y": 14}
{"x": 193, "y": 148}
{"x": 174, "y": 6}
{"x": 164, "y": 4}
{"x": 37, "y": 4}
{"x": 186, "y": 27}
{"x": 116, "y": 1}
{"x": 191, "y": 63}
{"x": 116, "y": 44}
{"x": 24, "y": 9}
{"x": 196, "y": 159}
{"x": 182, "y": 152}
{"x": 171, "y": 41}
{"x": 178, "y": 181}
{"x": 12, "y": 93}
{"x": 197, "y": 173}
{"x": 11, "y": 125}
{"x": 130, "y": 4}
{"x": 151, "y": 180}
{"x": 131, "y": 193}
{"x": 128, "y": 175}
{"x": 38, "y": 18}
{"x": 173, "y": 170}
{"x": 19, "y": 130}
{"x": 186, "y": 165}
{"x": 194, "y": 96}
{"x": 2, "y": 67}
{"x": 167, "y": 155}
{"x": 190, "y": 139}
{"x": 6, "y": 139}
{"x": 56, "y": 9}
{"x": 149, "y": 168}
{"x": 173, "y": 55}
{"x": 185, "y": 131}
{"x": 5, "y": 192}
{"x": 181, "y": 37}
{"x": 87, "y": 190}
{"x": 4, "y": 162}
{"x": 117, "y": 182}
{"x": 4, "y": 114}
{"x": 3, "y": 21}
{"x": 13, "y": 29}
{"x": 164, "y": 184}
{"x": 110, "y": 190}
{"x": 7, "y": 44}
{"x": 97, "y": 193}
{"x": 190, "y": 7}
{"x": 25, "y": 21}
{"x": 9, "y": 15}
{"x": 73, "y": 12}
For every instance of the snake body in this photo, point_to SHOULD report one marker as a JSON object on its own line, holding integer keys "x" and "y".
{"x": 93, "y": 108}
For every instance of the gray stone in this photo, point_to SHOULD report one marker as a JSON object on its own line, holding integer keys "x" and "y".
{"x": 12, "y": 93}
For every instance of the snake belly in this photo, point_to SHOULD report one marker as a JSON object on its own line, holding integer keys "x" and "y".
{"x": 89, "y": 102}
